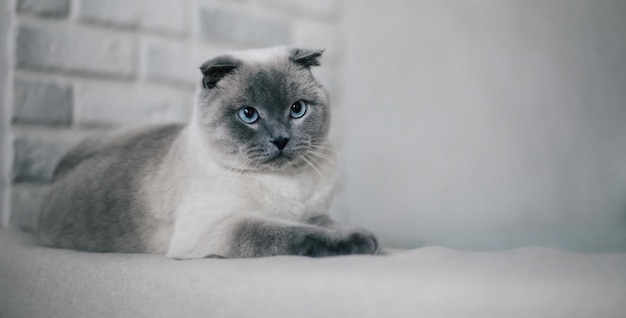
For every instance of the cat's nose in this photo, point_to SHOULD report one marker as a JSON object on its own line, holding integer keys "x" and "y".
{"x": 280, "y": 142}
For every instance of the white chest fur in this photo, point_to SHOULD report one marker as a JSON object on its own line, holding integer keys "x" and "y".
{"x": 200, "y": 196}
{"x": 293, "y": 196}
{"x": 284, "y": 194}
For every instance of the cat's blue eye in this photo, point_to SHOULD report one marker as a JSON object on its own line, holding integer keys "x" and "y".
{"x": 248, "y": 114}
{"x": 298, "y": 109}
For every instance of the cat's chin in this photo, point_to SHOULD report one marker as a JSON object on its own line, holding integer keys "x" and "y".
{"x": 275, "y": 163}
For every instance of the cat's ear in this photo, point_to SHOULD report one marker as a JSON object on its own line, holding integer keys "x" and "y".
{"x": 215, "y": 69}
{"x": 306, "y": 57}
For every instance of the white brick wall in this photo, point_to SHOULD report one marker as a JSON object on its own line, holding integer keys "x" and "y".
{"x": 323, "y": 9}
{"x": 247, "y": 28}
{"x": 51, "y": 8}
{"x": 37, "y": 156}
{"x": 113, "y": 104}
{"x": 169, "y": 61}
{"x": 78, "y": 67}
{"x": 161, "y": 16}
{"x": 5, "y": 112}
{"x": 75, "y": 50}
{"x": 25, "y": 201}
{"x": 37, "y": 101}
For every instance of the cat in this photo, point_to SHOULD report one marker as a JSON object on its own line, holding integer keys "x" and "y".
{"x": 251, "y": 175}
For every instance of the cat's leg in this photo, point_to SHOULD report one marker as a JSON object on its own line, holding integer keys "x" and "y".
{"x": 238, "y": 236}
{"x": 324, "y": 220}
{"x": 257, "y": 237}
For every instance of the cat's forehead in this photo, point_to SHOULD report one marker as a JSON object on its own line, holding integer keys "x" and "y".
{"x": 269, "y": 76}
{"x": 272, "y": 82}
{"x": 269, "y": 84}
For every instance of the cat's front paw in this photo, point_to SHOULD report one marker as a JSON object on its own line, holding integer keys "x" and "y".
{"x": 359, "y": 241}
{"x": 344, "y": 243}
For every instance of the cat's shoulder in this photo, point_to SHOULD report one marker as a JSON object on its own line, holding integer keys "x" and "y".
{"x": 139, "y": 140}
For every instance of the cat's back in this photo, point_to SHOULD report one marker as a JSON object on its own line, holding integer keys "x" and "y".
{"x": 95, "y": 202}
{"x": 145, "y": 140}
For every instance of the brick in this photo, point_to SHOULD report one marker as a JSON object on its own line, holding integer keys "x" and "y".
{"x": 42, "y": 101}
{"x": 172, "y": 61}
{"x": 112, "y": 104}
{"x": 169, "y": 61}
{"x": 26, "y": 202}
{"x": 36, "y": 157}
{"x": 158, "y": 15}
{"x": 6, "y": 37}
{"x": 317, "y": 8}
{"x": 59, "y": 8}
{"x": 241, "y": 27}
{"x": 76, "y": 50}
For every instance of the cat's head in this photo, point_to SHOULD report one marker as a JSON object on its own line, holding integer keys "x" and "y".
{"x": 262, "y": 109}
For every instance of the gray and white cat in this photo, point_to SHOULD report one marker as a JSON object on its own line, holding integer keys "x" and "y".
{"x": 251, "y": 175}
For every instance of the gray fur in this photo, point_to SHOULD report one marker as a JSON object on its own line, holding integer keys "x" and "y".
{"x": 270, "y": 88}
{"x": 105, "y": 189}
{"x": 257, "y": 238}
{"x": 95, "y": 204}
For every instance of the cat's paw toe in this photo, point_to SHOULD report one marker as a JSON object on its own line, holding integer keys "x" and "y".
{"x": 341, "y": 243}
{"x": 361, "y": 242}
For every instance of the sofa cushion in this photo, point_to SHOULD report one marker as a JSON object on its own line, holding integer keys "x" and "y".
{"x": 427, "y": 282}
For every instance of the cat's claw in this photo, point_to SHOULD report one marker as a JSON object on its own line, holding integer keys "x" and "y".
{"x": 362, "y": 242}
{"x": 353, "y": 242}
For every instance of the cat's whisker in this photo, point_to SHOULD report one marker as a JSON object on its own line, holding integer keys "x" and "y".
{"x": 326, "y": 141}
{"x": 322, "y": 142}
{"x": 325, "y": 145}
{"x": 321, "y": 166}
{"x": 312, "y": 166}
{"x": 256, "y": 165}
{"x": 322, "y": 162}
{"x": 323, "y": 156}
{"x": 323, "y": 149}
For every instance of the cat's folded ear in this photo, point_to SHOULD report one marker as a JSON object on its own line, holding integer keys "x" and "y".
{"x": 215, "y": 69}
{"x": 306, "y": 57}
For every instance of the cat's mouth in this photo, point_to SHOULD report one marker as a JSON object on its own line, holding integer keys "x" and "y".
{"x": 275, "y": 160}
{"x": 282, "y": 160}
{"x": 278, "y": 159}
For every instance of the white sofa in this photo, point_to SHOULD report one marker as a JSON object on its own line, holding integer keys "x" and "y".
{"x": 427, "y": 282}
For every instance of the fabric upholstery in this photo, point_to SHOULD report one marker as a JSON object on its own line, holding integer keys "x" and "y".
{"x": 427, "y": 282}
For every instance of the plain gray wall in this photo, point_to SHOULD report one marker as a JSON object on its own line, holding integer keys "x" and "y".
{"x": 486, "y": 124}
